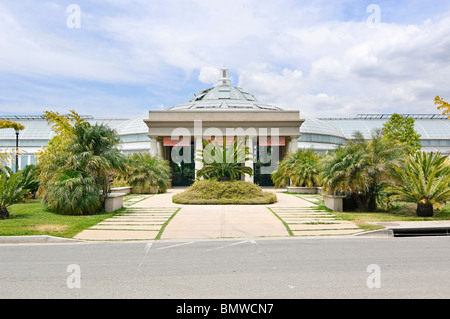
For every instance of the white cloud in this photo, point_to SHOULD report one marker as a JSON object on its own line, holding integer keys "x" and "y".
{"x": 208, "y": 75}
{"x": 306, "y": 56}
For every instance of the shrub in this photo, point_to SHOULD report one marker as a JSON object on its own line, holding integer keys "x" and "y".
{"x": 301, "y": 169}
{"x": 74, "y": 193}
{"x": 212, "y": 192}
{"x": 147, "y": 174}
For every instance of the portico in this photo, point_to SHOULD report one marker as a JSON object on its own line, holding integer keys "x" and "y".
{"x": 222, "y": 113}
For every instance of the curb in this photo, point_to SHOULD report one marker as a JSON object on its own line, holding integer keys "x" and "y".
{"x": 35, "y": 240}
{"x": 382, "y": 233}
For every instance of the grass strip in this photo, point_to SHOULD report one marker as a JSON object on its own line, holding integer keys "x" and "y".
{"x": 284, "y": 223}
{"x": 163, "y": 227}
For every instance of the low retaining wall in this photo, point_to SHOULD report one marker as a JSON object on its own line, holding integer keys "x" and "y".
{"x": 124, "y": 190}
{"x": 335, "y": 203}
{"x": 304, "y": 190}
{"x": 113, "y": 202}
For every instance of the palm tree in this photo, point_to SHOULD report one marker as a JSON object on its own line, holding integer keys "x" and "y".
{"x": 12, "y": 190}
{"x": 425, "y": 180}
{"x": 94, "y": 151}
{"x": 74, "y": 193}
{"x": 362, "y": 168}
{"x": 148, "y": 174}
{"x": 75, "y": 177}
{"x": 300, "y": 169}
{"x": 222, "y": 163}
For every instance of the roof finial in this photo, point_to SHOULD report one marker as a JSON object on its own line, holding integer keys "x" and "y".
{"x": 224, "y": 79}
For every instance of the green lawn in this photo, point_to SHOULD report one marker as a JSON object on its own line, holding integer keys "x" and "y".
{"x": 402, "y": 212}
{"x": 32, "y": 218}
{"x": 407, "y": 213}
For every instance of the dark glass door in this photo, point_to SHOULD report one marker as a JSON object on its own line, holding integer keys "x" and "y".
{"x": 183, "y": 174}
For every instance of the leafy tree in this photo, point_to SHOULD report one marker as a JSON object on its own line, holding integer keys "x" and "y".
{"x": 362, "y": 169}
{"x": 56, "y": 154}
{"x": 224, "y": 163}
{"x": 442, "y": 105}
{"x": 424, "y": 180}
{"x": 301, "y": 169}
{"x": 401, "y": 128}
{"x": 78, "y": 161}
{"x": 147, "y": 174}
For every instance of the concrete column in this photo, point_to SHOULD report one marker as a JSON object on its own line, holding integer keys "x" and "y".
{"x": 249, "y": 144}
{"x": 160, "y": 148}
{"x": 293, "y": 144}
{"x": 198, "y": 146}
{"x": 153, "y": 146}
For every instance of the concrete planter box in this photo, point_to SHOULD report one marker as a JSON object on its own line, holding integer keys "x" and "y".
{"x": 124, "y": 190}
{"x": 113, "y": 202}
{"x": 335, "y": 203}
{"x": 303, "y": 190}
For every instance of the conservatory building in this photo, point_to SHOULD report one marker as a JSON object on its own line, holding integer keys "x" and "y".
{"x": 223, "y": 113}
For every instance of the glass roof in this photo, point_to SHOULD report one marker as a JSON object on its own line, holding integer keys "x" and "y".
{"x": 37, "y": 128}
{"x": 134, "y": 126}
{"x": 428, "y": 128}
{"x": 316, "y": 126}
{"x": 223, "y": 97}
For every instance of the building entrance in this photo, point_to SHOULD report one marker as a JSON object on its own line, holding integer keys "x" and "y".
{"x": 183, "y": 174}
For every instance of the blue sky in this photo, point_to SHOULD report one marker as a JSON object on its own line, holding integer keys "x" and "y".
{"x": 324, "y": 58}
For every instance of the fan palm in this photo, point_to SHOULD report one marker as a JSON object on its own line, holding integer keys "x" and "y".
{"x": 300, "y": 169}
{"x": 425, "y": 180}
{"x": 12, "y": 190}
{"x": 224, "y": 163}
{"x": 148, "y": 174}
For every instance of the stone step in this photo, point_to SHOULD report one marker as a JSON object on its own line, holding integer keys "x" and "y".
{"x": 127, "y": 227}
{"x": 147, "y": 223}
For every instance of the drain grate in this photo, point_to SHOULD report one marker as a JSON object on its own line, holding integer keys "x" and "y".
{"x": 422, "y": 232}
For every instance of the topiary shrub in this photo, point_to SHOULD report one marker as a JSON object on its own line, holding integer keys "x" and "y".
{"x": 212, "y": 192}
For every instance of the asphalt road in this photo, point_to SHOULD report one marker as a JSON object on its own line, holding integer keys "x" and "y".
{"x": 236, "y": 269}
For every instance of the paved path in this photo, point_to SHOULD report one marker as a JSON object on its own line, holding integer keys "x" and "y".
{"x": 157, "y": 217}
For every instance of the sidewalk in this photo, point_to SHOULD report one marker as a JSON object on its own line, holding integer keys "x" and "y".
{"x": 157, "y": 217}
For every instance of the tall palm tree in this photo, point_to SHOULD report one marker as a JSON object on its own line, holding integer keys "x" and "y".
{"x": 224, "y": 163}
{"x": 300, "y": 169}
{"x": 362, "y": 168}
{"x": 425, "y": 180}
{"x": 148, "y": 174}
{"x": 94, "y": 151}
{"x": 75, "y": 178}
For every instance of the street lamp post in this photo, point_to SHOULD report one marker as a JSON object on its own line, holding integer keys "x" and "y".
{"x": 17, "y": 150}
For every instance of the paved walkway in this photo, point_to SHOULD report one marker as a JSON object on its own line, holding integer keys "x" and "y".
{"x": 157, "y": 217}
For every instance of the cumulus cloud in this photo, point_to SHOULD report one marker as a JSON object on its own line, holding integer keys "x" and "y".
{"x": 208, "y": 75}
{"x": 320, "y": 57}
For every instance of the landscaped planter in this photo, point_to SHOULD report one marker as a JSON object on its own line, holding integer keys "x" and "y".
{"x": 303, "y": 190}
{"x": 124, "y": 190}
{"x": 113, "y": 202}
{"x": 335, "y": 203}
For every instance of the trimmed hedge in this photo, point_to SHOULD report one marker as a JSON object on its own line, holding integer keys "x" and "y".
{"x": 211, "y": 192}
